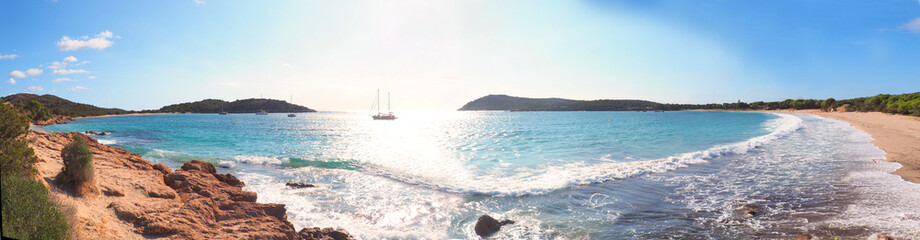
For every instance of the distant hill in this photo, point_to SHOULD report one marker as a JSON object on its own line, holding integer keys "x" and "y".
{"x": 251, "y": 105}
{"x": 509, "y": 103}
{"x": 59, "y": 106}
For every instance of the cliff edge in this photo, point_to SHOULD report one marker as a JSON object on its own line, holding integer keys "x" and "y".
{"x": 141, "y": 200}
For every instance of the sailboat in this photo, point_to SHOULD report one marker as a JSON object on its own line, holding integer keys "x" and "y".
{"x": 222, "y": 110}
{"x": 261, "y": 110}
{"x": 292, "y": 102}
{"x": 383, "y": 116}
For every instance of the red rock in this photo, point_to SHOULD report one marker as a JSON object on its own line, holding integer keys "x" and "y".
{"x": 162, "y": 168}
{"x": 201, "y": 166}
{"x": 323, "y": 234}
{"x": 192, "y": 203}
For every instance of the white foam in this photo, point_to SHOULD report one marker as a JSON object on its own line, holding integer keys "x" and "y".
{"x": 549, "y": 178}
{"x": 107, "y": 141}
{"x": 260, "y": 160}
{"x": 369, "y": 207}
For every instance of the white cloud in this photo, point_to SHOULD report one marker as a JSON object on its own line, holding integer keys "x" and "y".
{"x": 100, "y": 41}
{"x": 63, "y": 63}
{"x": 200, "y": 2}
{"x": 68, "y": 71}
{"x": 11, "y": 81}
{"x": 17, "y": 74}
{"x": 77, "y": 89}
{"x": 62, "y": 80}
{"x": 33, "y": 72}
{"x": 229, "y": 84}
{"x": 913, "y": 25}
{"x": 28, "y": 73}
{"x": 35, "y": 89}
{"x": 8, "y": 56}
{"x": 91, "y": 77}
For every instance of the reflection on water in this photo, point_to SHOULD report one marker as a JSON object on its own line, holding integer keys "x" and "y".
{"x": 602, "y": 175}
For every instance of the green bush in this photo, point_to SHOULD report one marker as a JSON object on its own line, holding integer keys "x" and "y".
{"x": 78, "y": 165}
{"x": 28, "y": 213}
{"x": 16, "y": 157}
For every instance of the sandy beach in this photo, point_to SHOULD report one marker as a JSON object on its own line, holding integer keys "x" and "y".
{"x": 897, "y": 135}
{"x": 129, "y": 114}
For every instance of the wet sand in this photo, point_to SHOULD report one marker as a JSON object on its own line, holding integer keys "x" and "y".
{"x": 897, "y": 135}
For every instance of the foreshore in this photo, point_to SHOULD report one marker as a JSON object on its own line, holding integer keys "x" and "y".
{"x": 897, "y": 135}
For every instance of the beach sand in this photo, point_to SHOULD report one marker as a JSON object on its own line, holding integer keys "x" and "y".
{"x": 129, "y": 114}
{"x": 897, "y": 135}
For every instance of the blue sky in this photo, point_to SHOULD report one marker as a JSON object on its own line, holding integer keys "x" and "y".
{"x": 333, "y": 55}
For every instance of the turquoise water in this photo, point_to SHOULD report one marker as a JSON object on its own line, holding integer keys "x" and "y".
{"x": 565, "y": 175}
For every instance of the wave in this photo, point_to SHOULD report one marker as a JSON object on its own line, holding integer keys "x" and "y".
{"x": 293, "y": 162}
{"x": 551, "y": 178}
{"x": 107, "y": 142}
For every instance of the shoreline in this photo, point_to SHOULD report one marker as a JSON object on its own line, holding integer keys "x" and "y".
{"x": 128, "y": 114}
{"x": 897, "y": 135}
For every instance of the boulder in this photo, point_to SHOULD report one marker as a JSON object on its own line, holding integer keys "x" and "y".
{"x": 162, "y": 168}
{"x": 201, "y": 166}
{"x": 323, "y": 234}
{"x": 486, "y": 225}
{"x": 748, "y": 211}
{"x": 97, "y": 133}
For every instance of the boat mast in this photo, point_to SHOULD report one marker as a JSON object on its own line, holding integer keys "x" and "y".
{"x": 378, "y": 101}
{"x": 388, "y": 103}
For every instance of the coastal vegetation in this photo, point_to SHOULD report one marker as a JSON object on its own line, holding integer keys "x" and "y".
{"x": 251, "y": 105}
{"x": 509, "y": 103}
{"x": 50, "y": 109}
{"x": 78, "y": 167}
{"x": 907, "y": 104}
{"x": 43, "y": 107}
{"x": 27, "y": 212}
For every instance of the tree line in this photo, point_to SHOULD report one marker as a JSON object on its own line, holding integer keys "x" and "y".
{"x": 907, "y": 104}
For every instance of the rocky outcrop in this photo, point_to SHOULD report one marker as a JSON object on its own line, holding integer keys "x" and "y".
{"x": 486, "y": 225}
{"x": 54, "y": 120}
{"x": 142, "y": 200}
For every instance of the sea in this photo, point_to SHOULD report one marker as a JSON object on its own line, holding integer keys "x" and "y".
{"x": 557, "y": 175}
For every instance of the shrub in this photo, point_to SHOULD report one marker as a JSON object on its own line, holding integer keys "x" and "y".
{"x": 16, "y": 157}
{"x": 78, "y": 166}
{"x": 28, "y": 213}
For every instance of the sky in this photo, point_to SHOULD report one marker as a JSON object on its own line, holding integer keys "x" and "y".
{"x": 334, "y": 55}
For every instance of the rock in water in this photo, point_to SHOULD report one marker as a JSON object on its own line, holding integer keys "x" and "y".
{"x": 299, "y": 185}
{"x": 486, "y": 225}
{"x": 323, "y": 234}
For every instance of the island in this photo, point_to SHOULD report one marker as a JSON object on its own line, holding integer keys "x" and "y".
{"x": 510, "y": 103}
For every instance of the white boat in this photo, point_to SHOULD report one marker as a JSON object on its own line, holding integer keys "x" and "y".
{"x": 380, "y": 115}
{"x": 262, "y": 111}
{"x": 292, "y": 102}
